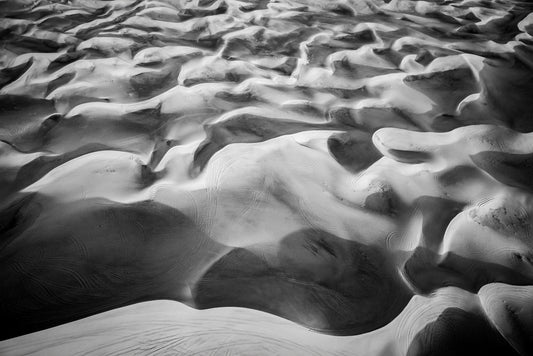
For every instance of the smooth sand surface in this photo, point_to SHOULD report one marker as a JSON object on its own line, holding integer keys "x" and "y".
{"x": 292, "y": 177}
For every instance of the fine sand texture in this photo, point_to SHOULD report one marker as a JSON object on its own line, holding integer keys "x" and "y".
{"x": 283, "y": 177}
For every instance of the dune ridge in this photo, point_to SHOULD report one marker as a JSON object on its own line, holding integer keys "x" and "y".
{"x": 303, "y": 177}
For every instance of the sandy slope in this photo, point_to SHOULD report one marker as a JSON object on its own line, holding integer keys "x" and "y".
{"x": 359, "y": 170}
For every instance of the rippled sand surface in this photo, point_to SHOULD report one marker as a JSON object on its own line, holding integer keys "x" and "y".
{"x": 291, "y": 177}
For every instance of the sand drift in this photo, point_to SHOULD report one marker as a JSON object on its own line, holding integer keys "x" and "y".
{"x": 291, "y": 177}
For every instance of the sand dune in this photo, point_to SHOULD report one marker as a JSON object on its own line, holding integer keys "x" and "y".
{"x": 288, "y": 177}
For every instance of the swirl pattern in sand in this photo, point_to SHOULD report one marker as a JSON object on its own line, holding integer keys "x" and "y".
{"x": 360, "y": 170}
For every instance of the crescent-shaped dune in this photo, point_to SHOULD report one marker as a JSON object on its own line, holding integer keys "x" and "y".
{"x": 283, "y": 177}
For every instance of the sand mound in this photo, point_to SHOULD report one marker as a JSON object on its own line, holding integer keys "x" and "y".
{"x": 282, "y": 172}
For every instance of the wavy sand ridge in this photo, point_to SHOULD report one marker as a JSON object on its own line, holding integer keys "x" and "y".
{"x": 358, "y": 168}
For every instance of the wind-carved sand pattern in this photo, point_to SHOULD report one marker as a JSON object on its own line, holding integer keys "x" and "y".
{"x": 291, "y": 177}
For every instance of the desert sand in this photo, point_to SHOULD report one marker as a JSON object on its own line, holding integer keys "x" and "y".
{"x": 290, "y": 177}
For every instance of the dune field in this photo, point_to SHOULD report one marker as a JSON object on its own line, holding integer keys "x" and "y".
{"x": 254, "y": 177}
